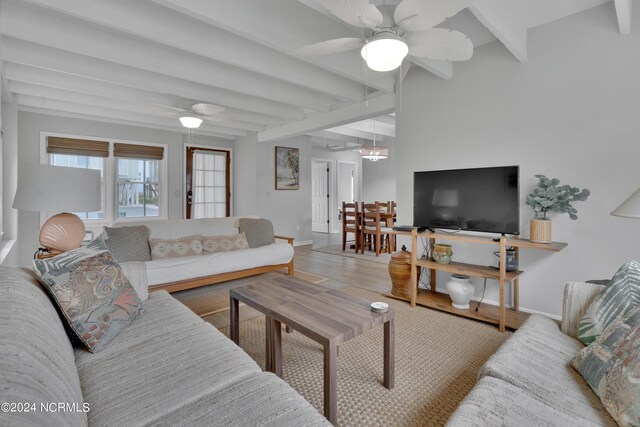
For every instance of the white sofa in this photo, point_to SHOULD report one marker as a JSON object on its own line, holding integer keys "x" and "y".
{"x": 529, "y": 381}
{"x": 174, "y": 274}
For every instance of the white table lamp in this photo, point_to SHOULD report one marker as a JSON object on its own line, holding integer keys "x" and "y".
{"x": 630, "y": 208}
{"x": 43, "y": 188}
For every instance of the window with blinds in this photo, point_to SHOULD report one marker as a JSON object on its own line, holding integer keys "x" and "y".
{"x": 138, "y": 179}
{"x": 209, "y": 177}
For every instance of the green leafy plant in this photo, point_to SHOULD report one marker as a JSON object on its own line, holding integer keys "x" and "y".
{"x": 549, "y": 195}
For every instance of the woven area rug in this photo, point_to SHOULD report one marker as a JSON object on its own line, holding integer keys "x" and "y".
{"x": 438, "y": 356}
{"x": 367, "y": 256}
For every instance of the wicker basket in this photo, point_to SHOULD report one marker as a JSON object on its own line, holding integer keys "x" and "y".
{"x": 540, "y": 231}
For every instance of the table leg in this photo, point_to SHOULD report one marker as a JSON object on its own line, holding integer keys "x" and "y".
{"x": 330, "y": 382}
{"x": 235, "y": 322}
{"x": 276, "y": 347}
{"x": 389, "y": 354}
{"x": 268, "y": 350}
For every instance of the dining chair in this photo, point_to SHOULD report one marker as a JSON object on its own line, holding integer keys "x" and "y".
{"x": 350, "y": 224}
{"x": 372, "y": 230}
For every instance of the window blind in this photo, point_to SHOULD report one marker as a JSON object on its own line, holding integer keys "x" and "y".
{"x": 132, "y": 151}
{"x": 77, "y": 147}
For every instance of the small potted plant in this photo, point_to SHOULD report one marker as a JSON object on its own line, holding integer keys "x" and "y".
{"x": 548, "y": 196}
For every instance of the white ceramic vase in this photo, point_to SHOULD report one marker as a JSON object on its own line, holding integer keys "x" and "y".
{"x": 460, "y": 290}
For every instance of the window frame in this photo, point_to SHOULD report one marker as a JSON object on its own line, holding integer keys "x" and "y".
{"x": 110, "y": 202}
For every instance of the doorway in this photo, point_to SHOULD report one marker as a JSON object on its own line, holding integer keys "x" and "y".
{"x": 208, "y": 186}
{"x": 320, "y": 171}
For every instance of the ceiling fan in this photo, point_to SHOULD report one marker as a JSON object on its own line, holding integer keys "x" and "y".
{"x": 393, "y": 32}
{"x": 192, "y": 116}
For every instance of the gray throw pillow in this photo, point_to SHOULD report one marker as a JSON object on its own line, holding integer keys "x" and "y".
{"x": 259, "y": 232}
{"x": 129, "y": 244}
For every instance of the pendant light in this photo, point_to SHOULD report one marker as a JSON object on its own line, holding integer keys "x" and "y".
{"x": 374, "y": 152}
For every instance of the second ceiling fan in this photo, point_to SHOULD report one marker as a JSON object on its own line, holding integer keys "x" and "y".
{"x": 393, "y": 32}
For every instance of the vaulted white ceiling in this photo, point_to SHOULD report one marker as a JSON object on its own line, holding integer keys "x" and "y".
{"x": 138, "y": 62}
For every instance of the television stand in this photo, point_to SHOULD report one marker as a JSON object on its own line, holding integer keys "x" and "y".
{"x": 499, "y": 315}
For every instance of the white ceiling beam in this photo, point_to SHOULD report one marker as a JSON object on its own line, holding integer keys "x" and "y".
{"x": 368, "y": 126}
{"x": 387, "y": 119}
{"x": 356, "y": 133}
{"x": 103, "y": 119}
{"x": 503, "y": 19}
{"x": 115, "y": 104}
{"x": 623, "y": 12}
{"x": 333, "y": 142}
{"x": 42, "y": 77}
{"x": 270, "y": 23}
{"x": 37, "y": 26}
{"x": 92, "y": 110}
{"x": 26, "y": 53}
{"x": 323, "y": 134}
{"x": 442, "y": 69}
{"x": 189, "y": 35}
{"x": 374, "y": 107}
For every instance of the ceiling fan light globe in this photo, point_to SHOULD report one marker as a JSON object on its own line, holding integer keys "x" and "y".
{"x": 385, "y": 52}
{"x": 190, "y": 122}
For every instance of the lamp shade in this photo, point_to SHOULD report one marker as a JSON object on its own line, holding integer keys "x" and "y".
{"x": 374, "y": 152}
{"x": 384, "y": 52}
{"x": 630, "y": 208}
{"x": 43, "y": 188}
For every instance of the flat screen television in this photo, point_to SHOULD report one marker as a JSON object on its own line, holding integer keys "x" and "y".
{"x": 483, "y": 199}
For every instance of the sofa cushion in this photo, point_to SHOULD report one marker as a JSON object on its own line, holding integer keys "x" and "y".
{"x": 168, "y": 349}
{"x": 36, "y": 356}
{"x": 136, "y": 272}
{"x": 128, "y": 244}
{"x": 92, "y": 292}
{"x": 258, "y": 399}
{"x": 175, "y": 269}
{"x": 175, "y": 228}
{"x": 621, "y": 295}
{"x": 537, "y": 359}
{"x": 259, "y": 231}
{"x": 216, "y": 244}
{"x": 493, "y": 402}
{"x": 611, "y": 366}
{"x": 174, "y": 248}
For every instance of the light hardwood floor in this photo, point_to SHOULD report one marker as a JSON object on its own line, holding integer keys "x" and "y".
{"x": 342, "y": 272}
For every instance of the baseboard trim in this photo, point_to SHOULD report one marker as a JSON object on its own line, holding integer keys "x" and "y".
{"x": 302, "y": 242}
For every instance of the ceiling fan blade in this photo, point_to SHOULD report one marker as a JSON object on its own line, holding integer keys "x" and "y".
{"x": 418, "y": 15}
{"x": 206, "y": 109}
{"x": 330, "y": 46}
{"x": 359, "y": 13}
{"x": 440, "y": 43}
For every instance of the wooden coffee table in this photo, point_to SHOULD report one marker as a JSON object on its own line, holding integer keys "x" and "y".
{"x": 327, "y": 316}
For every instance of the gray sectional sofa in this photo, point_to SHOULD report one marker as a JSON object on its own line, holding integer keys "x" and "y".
{"x": 167, "y": 368}
{"x": 529, "y": 381}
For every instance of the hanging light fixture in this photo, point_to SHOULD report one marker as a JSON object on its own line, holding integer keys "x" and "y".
{"x": 190, "y": 121}
{"x": 374, "y": 152}
{"x": 384, "y": 52}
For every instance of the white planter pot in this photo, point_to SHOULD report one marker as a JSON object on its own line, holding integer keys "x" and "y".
{"x": 460, "y": 290}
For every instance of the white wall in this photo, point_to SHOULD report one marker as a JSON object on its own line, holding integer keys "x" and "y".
{"x": 335, "y": 157}
{"x": 29, "y": 127}
{"x": 9, "y": 181}
{"x": 289, "y": 210}
{"x": 245, "y": 175}
{"x": 571, "y": 112}
{"x": 379, "y": 178}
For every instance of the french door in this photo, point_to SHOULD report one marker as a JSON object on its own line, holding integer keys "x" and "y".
{"x": 208, "y": 183}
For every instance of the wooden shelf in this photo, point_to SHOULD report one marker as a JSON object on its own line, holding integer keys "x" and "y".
{"x": 528, "y": 244}
{"x": 486, "y": 312}
{"x": 468, "y": 269}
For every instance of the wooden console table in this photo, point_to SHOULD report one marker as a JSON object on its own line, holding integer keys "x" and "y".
{"x": 499, "y": 315}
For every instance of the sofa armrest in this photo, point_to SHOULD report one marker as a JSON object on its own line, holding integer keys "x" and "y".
{"x": 288, "y": 239}
{"x": 577, "y": 299}
{"x": 136, "y": 272}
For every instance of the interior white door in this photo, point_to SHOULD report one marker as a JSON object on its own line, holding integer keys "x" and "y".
{"x": 319, "y": 197}
{"x": 346, "y": 182}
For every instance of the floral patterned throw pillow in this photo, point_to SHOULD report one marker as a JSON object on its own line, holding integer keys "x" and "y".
{"x": 92, "y": 292}
{"x": 615, "y": 300}
{"x": 611, "y": 367}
